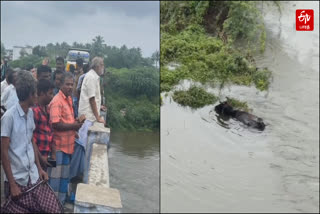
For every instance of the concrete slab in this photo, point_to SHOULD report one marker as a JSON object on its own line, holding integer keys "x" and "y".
{"x": 99, "y": 127}
{"x": 97, "y": 134}
{"x": 99, "y": 168}
{"x": 91, "y": 198}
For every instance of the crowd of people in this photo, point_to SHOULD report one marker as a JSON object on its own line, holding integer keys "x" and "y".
{"x": 45, "y": 117}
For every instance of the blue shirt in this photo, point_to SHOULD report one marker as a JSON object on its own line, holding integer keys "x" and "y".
{"x": 55, "y": 91}
{"x": 80, "y": 81}
{"x": 19, "y": 127}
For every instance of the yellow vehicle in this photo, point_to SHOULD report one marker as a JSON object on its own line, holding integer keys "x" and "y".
{"x": 74, "y": 54}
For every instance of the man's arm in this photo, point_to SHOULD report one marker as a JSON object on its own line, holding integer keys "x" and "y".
{"x": 14, "y": 189}
{"x": 93, "y": 105}
{"x": 41, "y": 160}
{"x": 36, "y": 154}
{"x": 66, "y": 126}
{"x": 42, "y": 174}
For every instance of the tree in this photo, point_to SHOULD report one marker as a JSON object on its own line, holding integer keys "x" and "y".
{"x": 23, "y": 52}
{"x": 156, "y": 58}
{"x": 97, "y": 47}
{"x": 3, "y": 50}
{"x": 64, "y": 48}
{"x": 39, "y": 51}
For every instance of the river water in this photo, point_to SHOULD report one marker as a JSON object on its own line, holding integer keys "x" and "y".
{"x": 134, "y": 170}
{"x": 210, "y": 167}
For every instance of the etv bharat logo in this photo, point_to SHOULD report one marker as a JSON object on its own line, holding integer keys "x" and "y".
{"x": 304, "y": 20}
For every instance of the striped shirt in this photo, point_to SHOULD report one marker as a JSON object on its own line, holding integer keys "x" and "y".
{"x": 61, "y": 110}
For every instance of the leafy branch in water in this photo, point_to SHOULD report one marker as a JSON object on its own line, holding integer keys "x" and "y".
{"x": 238, "y": 104}
{"x": 195, "y": 97}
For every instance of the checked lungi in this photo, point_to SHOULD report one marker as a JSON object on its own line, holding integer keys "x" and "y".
{"x": 41, "y": 199}
{"x": 77, "y": 160}
{"x": 59, "y": 176}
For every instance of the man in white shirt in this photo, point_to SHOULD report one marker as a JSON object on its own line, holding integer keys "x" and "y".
{"x": 90, "y": 97}
{"x": 89, "y": 106}
{"x": 8, "y": 95}
{"x": 8, "y": 80}
{"x": 4, "y": 84}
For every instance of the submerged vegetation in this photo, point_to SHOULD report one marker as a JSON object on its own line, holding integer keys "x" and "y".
{"x": 238, "y": 104}
{"x": 212, "y": 42}
{"x": 195, "y": 97}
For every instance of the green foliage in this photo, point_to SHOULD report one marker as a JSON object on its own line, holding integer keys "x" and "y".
{"x": 261, "y": 79}
{"x": 195, "y": 97}
{"x": 238, "y": 104}
{"x": 39, "y": 51}
{"x": 243, "y": 20}
{"x": 125, "y": 58}
{"x": 211, "y": 59}
{"x": 3, "y": 51}
{"x": 97, "y": 47}
{"x": 122, "y": 57}
{"x": 205, "y": 59}
{"x": 133, "y": 98}
{"x": 177, "y": 15}
{"x": 155, "y": 57}
{"x": 26, "y": 62}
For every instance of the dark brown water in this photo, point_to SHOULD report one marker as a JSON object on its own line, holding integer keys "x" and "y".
{"x": 210, "y": 167}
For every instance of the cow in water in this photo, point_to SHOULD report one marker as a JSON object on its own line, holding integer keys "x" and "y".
{"x": 224, "y": 108}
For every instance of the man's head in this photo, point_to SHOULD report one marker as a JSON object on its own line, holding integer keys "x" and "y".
{"x": 67, "y": 84}
{"x": 45, "y": 91}
{"x": 79, "y": 63}
{"x": 29, "y": 67}
{"x": 44, "y": 72}
{"x": 224, "y": 108}
{"x": 60, "y": 63}
{"x": 45, "y": 61}
{"x": 26, "y": 88}
{"x": 57, "y": 76}
{"x": 11, "y": 76}
{"x": 97, "y": 65}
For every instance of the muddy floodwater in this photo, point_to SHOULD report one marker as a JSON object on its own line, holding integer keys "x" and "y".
{"x": 134, "y": 170}
{"x": 209, "y": 166}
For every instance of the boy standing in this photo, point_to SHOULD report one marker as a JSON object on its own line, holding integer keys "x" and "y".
{"x": 19, "y": 154}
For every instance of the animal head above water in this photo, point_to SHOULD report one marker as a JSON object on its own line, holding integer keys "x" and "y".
{"x": 260, "y": 124}
{"x": 224, "y": 108}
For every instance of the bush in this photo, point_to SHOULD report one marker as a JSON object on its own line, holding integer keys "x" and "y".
{"x": 132, "y": 97}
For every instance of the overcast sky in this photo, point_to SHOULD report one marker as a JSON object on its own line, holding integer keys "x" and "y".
{"x": 135, "y": 24}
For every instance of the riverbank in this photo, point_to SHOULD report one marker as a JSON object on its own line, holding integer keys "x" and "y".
{"x": 215, "y": 52}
